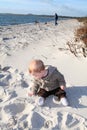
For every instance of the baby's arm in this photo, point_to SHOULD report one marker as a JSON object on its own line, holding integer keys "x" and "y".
{"x": 33, "y": 88}
{"x": 61, "y": 80}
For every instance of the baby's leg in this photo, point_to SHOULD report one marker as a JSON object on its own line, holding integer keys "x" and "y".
{"x": 43, "y": 93}
{"x": 60, "y": 93}
{"x": 42, "y": 96}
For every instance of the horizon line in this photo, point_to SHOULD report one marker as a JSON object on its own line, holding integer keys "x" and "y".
{"x": 44, "y": 15}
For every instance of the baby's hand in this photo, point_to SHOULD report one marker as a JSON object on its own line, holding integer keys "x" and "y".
{"x": 62, "y": 87}
{"x": 30, "y": 94}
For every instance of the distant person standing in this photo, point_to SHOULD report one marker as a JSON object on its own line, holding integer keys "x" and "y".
{"x": 56, "y": 18}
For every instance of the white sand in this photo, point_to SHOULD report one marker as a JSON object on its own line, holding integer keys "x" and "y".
{"x": 18, "y": 45}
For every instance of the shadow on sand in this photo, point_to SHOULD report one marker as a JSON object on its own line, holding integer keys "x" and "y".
{"x": 76, "y": 96}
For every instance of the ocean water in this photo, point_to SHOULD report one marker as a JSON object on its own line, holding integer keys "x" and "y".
{"x": 14, "y": 19}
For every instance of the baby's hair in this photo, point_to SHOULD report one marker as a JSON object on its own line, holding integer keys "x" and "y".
{"x": 36, "y": 66}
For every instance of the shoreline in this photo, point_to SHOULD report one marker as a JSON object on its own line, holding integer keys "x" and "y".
{"x": 37, "y": 21}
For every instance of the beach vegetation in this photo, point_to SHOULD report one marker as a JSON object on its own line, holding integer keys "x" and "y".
{"x": 78, "y": 47}
{"x": 81, "y": 32}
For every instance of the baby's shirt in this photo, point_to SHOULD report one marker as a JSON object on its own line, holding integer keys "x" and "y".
{"x": 51, "y": 81}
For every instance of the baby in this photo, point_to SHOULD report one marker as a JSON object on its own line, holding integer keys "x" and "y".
{"x": 47, "y": 80}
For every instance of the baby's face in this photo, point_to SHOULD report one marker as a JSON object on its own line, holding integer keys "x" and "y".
{"x": 37, "y": 75}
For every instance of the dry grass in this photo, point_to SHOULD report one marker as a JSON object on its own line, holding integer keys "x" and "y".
{"x": 76, "y": 47}
{"x": 81, "y": 33}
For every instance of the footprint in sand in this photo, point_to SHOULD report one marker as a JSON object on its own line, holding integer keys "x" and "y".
{"x": 6, "y": 95}
{"x": 48, "y": 124}
{"x": 66, "y": 121}
{"x": 14, "y": 108}
{"x": 23, "y": 125}
{"x": 69, "y": 121}
{"x": 35, "y": 121}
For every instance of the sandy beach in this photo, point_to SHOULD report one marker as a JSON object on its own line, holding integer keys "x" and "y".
{"x": 19, "y": 44}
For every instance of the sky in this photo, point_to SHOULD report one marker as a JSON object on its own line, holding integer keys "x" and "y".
{"x": 48, "y": 7}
